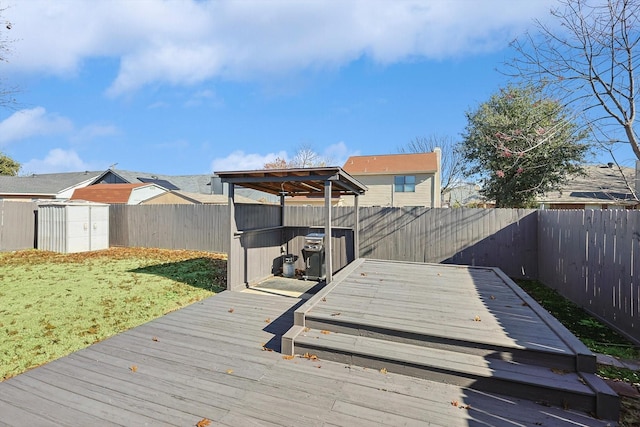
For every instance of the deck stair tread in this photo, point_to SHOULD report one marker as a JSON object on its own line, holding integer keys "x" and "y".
{"x": 466, "y": 365}
{"x": 468, "y": 331}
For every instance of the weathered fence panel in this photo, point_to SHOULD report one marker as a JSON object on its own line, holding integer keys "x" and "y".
{"x": 592, "y": 257}
{"x": 505, "y": 238}
{"x": 17, "y": 225}
{"x": 195, "y": 227}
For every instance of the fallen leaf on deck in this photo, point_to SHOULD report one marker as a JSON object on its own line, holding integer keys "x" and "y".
{"x": 324, "y": 299}
{"x": 363, "y": 274}
{"x": 230, "y": 310}
{"x": 229, "y": 371}
{"x": 559, "y": 371}
{"x": 154, "y": 339}
{"x": 383, "y": 370}
{"x": 266, "y": 348}
{"x": 492, "y": 297}
{"x": 307, "y": 329}
{"x": 477, "y": 319}
{"x": 267, "y": 320}
{"x": 525, "y": 304}
{"x": 335, "y": 314}
{"x": 454, "y": 403}
{"x": 133, "y": 368}
{"x": 203, "y": 423}
{"x": 310, "y": 356}
{"x": 325, "y": 332}
{"x": 288, "y": 357}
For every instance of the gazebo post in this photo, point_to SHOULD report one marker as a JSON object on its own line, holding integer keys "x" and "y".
{"x": 327, "y": 232}
{"x": 233, "y": 228}
{"x": 356, "y": 227}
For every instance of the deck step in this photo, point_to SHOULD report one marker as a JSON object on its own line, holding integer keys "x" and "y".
{"x": 548, "y": 386}
{"x": 436, "y": 337}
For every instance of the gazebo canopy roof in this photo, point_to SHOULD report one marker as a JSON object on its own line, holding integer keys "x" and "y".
{"x": 295, "y": 182}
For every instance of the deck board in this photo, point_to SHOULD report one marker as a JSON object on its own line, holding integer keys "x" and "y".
{"x": 426, "y": 298}
{"x": 205, "y": 361}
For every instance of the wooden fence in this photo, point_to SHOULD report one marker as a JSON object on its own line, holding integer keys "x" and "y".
{"x": 505, "y": 238}
{"x": 592, "y": 257}
{"x": 195, "y": 227}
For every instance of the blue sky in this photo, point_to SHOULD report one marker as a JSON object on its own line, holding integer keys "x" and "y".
{"x": 191, "y": 87}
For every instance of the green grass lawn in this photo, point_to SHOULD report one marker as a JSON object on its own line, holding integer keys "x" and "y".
{"x": 53, "y": 304}
{"x": 593, "y": 333}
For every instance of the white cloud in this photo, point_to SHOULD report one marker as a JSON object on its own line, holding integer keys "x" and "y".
{"x": 186, "y": 42}
{"x": 93, "y": 131}
{"x": 239, "y": 160}
{"x": 57, "y": 160}
{"x": 206, "y": 96}
{"x": 338, "y": 153}
{"x": 27, "y": 123}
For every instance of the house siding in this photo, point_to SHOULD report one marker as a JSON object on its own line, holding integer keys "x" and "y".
{"x": 380, "y": 192}
{"x": 141, "y": 194}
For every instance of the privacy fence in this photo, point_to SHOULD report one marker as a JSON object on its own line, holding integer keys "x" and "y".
{"x": 592, "y": 257}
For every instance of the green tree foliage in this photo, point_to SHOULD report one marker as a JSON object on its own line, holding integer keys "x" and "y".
{"x": 8, "y": 166}
{"x": 520, "y": 145}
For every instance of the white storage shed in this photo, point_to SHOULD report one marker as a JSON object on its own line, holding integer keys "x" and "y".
{"x": 73, "y": 226}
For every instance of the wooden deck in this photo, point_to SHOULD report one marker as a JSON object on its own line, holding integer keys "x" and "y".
{"x": 473, "y": 327}
{"x": 220, "y": 359}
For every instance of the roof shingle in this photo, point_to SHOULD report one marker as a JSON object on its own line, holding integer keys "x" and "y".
{"x": 392, "y": 164}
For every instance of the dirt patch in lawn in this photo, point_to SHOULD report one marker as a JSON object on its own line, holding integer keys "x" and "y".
{"x": 53, "y": 304}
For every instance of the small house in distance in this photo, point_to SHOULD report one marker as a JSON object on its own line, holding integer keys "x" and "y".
{"x": 600, "y": 187}
{"x": 399, "y": 180}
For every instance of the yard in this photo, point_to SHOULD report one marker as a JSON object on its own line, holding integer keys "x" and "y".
{"x": 54, "y": 304}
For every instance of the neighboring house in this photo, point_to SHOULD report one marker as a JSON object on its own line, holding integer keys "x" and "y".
{"x": 190, "y": 183}
{"x": 313, "y": 201}
{"x": 601, "y": 187}
{"x": 45, "y": 186}
{"x": 62, "y": 185}
{"x": 397, "y": 179}
{"x": 463, "y": 195}
{"x": 129, "y": 194}
{"x": 186, "y": 198}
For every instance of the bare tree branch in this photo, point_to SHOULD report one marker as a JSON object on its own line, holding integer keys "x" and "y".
{"x": 589, "y": 61}
{"x": 451, "y": 161}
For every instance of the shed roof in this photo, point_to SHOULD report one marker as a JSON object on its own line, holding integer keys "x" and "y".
{"x": 392, "y": 164}
{"x": 295, "y": 182}
{"x": 106, "y": 193}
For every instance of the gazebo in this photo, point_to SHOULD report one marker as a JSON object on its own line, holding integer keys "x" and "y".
{"x": 259, "y": 236}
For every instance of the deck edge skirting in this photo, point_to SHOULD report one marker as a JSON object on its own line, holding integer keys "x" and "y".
{"x": 300, "y": 313}
{"x": 585, "y": 359}
{"x": 549, "y": 359}
{"x": 524, "y": 389}
{"x": 288, "y": 340}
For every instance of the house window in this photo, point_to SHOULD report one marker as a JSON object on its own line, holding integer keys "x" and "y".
{"x": 404, "y": 184}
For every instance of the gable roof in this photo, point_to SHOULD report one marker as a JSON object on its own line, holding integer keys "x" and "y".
{"x": 189, "y": 183}
{"x": 295, "y": 182}
{"x": 600, "y": 184}
{"x": 106, "y": 193}
{"x": 392, "y": 164}
{"x": 45, "y": 185}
